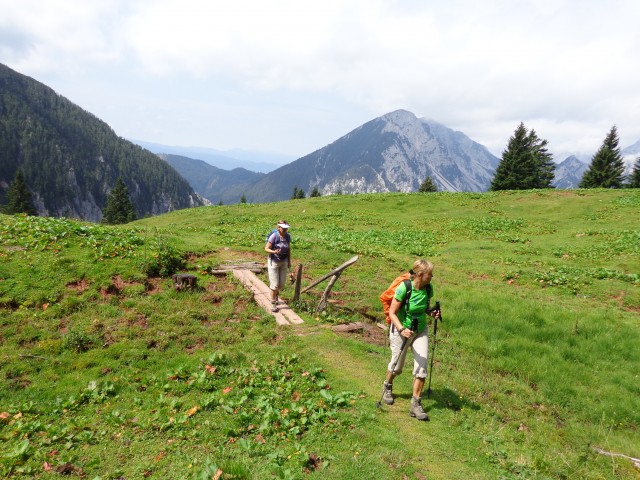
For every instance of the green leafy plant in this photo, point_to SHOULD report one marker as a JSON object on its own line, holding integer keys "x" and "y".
{"x": 164, "y": 259}
{"x": 78, "y": 341}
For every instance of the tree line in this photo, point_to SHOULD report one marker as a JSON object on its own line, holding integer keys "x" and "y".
{"x": 527, "y": 164}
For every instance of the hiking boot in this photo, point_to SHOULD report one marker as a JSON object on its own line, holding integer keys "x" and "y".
{"x": 274, "y": 307}
{"x": 416, "y": 409}
{"x": 387, "y": 393}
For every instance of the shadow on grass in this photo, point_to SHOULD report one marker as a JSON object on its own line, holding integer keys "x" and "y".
{"x": 446, "y": 398}
{"x": 442, "y": 398}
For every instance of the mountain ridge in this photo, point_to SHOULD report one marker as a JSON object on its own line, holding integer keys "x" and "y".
{"x": 215, "y": 184}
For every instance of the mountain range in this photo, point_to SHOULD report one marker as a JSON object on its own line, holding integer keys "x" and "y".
{"x": 392, "y": 153}
{"x": 71, "y": 160}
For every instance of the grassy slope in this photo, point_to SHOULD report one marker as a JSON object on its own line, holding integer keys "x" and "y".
{"x": 536, "y": 361}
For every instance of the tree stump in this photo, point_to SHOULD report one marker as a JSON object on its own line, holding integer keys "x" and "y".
{"x": 184, "y": 280}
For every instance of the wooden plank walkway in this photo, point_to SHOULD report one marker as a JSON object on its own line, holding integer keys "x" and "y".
{"x": 262, "y": 294}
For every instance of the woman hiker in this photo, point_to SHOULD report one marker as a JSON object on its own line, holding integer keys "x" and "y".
{"x": 279, "y": 249}
{"x": 409, "y": 329}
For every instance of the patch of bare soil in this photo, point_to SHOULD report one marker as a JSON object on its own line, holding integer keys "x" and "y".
{"x": 117, "y": 284}
{"x": 79, "y": 285}
{"x": 365, "y": 331}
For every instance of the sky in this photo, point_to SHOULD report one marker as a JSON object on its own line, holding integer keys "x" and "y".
{"x": 293, "y": 76}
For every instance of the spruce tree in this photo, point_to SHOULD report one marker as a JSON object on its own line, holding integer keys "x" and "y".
{"x": 634, "y": 178}
{"x": 315, "y": 192}
{"x": 607, "y": 167}
{"x": 119, "y": 208}
{"x": 19, "y": 197}
{"x": 243, "y": 198}
{"x": 526, "y": 163}
{"x": 428, "y": 185}
{"x": 297, "y": 193}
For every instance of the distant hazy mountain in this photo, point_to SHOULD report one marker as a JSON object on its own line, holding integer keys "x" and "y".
{"x": 568, "y": 173}
{"x": 253, "y": 160}
{"x": 71, "y": 160}
{"x": 630, "y": 154}
{"x": 213, "y": 183}
{"x": 395, "y": 152}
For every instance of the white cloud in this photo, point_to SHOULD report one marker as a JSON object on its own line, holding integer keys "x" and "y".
{"x": 567, "y": 68}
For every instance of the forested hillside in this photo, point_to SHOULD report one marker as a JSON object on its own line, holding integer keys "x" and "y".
{"x": 71, "y": 160}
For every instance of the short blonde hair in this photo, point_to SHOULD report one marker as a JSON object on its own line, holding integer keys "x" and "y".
{"x": 422, "y": 265}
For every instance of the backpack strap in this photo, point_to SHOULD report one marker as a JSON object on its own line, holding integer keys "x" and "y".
{"x": 408, "y": 285}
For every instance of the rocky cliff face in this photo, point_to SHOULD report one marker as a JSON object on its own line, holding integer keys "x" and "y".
{"x": 427, "y": 148}
{"x": 569, "y": 173}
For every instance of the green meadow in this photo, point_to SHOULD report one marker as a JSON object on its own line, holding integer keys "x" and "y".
{"x": 108, "y": 372}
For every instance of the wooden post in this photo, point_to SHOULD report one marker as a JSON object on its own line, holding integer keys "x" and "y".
{"x": 296, "y": 295}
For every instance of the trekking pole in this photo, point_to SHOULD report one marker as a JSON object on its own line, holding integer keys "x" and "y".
{"x": 405, "y": 345}
{"x": 433, "y": 353}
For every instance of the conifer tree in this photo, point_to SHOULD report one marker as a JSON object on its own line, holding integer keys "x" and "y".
{"x": 428, "y": 185}
{"x": 19, "y": 197}
{"x": 526, "y": 163}
{"x": 243, "y": 198}
{"x": 119, "y": 208}
{"x": 297, "y": 193}
{"x": 607, "y": 167}
{"x": 634, "y": 178}
{"x": 315, "y": 192}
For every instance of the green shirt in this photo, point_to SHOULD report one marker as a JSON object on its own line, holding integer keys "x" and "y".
{"x": 417, "y": 308}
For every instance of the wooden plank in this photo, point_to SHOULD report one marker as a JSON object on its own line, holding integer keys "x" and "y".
{"x": 230, "y": 266}
{"x": 262, "y": 294}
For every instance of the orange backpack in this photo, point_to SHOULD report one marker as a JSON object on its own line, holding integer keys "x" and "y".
{"x": 386, "y": 297}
